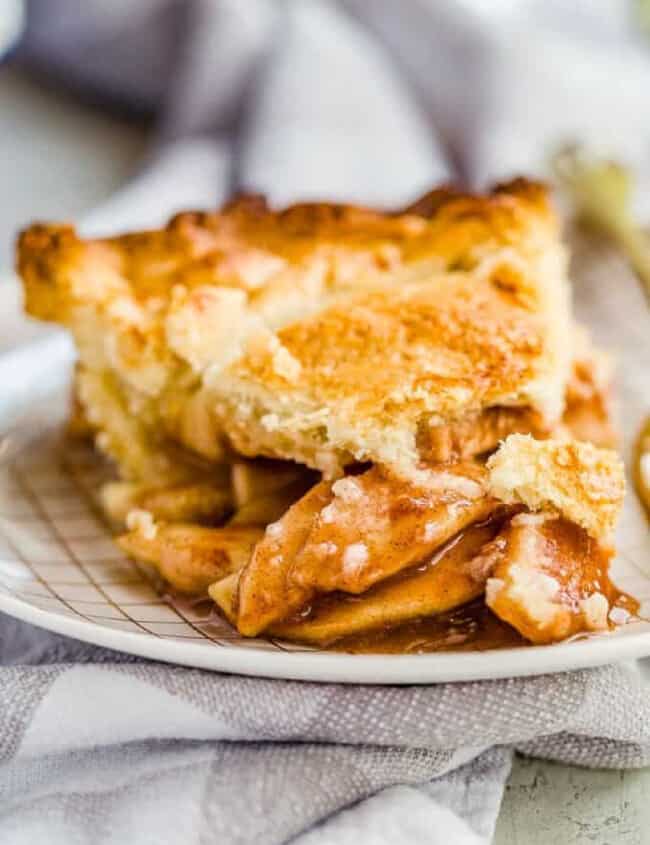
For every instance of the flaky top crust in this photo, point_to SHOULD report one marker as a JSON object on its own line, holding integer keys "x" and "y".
{"x": 375, "y": 321}
{"x": 247, "y": 245}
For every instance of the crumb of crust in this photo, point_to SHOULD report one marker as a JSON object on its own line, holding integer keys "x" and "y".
{"x": 429, "y": 532}
{"x": 347, "y": 490}
{"x": 535, "y": 591}
{"x": 326, "y": 549}
{"x": 285, "y": 364}
{"x": 328, "y": 464}
{"x": 263, "y": 345}
{"x": 143, "y": 522}
{"x": 595, "y": 609}
{"x": 527, "y": 518}
{"x": 354, "y": 557}
{"x": 493, "y": 587}
{"x": 205, "y": 326}
{"x": 328, "y": 514}
{"x": 274, "y": 530}
{"x": 576, "y": 479}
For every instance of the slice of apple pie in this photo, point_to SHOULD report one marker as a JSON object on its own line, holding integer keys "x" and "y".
{"x": 335, "y": 421}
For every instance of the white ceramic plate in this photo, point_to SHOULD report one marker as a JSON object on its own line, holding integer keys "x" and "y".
{"x": 60, "y": 570}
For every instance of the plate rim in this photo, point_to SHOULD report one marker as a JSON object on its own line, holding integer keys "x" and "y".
{"x": 336, "y": 667}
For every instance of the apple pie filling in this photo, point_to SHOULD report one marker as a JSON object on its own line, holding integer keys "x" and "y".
{"x": 345, "y": 562}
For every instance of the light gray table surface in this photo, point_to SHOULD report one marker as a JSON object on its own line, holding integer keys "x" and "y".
{"x": 59, "y": 158}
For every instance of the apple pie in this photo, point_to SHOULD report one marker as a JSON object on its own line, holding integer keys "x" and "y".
{"x": 336, "y": 421}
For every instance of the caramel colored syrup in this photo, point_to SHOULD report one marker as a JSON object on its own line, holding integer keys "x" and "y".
{"x": 472, "y": 627}
{"x": 581, "y": 569}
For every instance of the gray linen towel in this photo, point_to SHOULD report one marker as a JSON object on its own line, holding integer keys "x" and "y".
{"x": 368, "y": 101}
